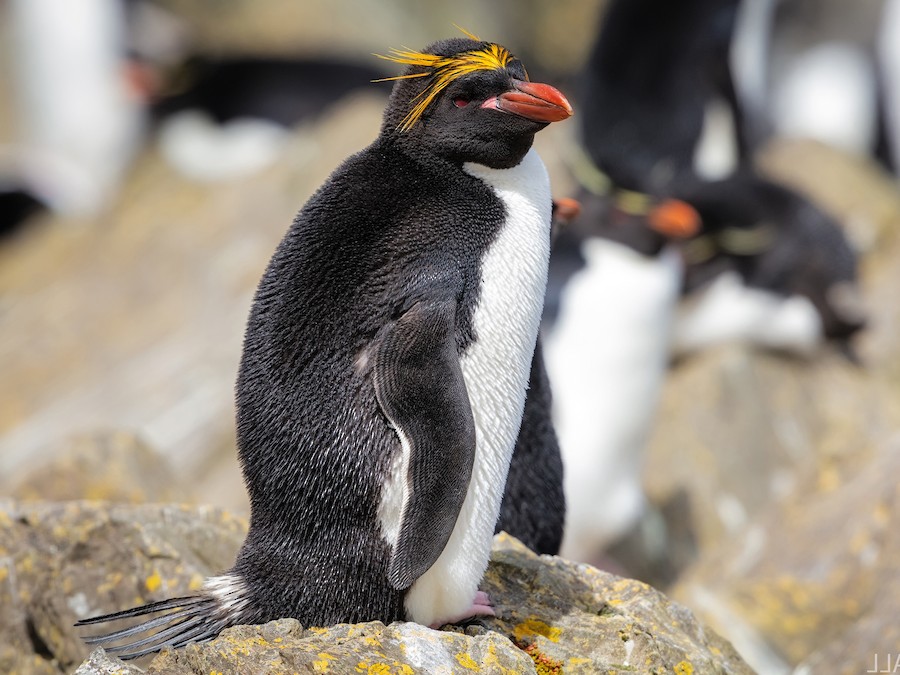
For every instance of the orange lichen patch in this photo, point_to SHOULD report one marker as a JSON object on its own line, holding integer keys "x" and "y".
{"x": 543, "y": 663}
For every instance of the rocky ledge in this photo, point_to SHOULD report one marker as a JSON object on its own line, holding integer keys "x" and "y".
{"x": 63, "y": 561}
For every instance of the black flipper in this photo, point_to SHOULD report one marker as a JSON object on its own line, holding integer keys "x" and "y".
{"x": 420, "y": 388}
{"x": 179, "y": 621}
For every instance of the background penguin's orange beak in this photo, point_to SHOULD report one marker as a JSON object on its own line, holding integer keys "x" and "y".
{"x": 675, "y": 218}
{"x": 533, "y": 101}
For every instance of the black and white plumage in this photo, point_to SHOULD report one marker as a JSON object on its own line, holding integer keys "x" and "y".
{"x": 534, "y": 503}
{"x": 655, "y": 69}
{"x": 651, "y": 77}
{"x": 614, "y": 285}
{"x": 771, "y": 268}
{"x": 386, "y": 362}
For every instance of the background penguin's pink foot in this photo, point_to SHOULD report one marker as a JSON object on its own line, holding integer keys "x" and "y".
{"x": 481, "y": 606}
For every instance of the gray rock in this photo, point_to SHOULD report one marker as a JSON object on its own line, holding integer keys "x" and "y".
{"x": 739, "y": 429}
{"x": 109, "y": 466}
{"x": 78, "y": 559}
{"x": 60, "y": 562}
{"x": 554, "y": 36}
{"x": 100, "y": 663}
{"x": 815, "y": 579}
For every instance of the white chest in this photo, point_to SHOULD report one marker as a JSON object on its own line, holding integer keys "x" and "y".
{"x": 507, "y": 315}
{"x": 495, "y": 369}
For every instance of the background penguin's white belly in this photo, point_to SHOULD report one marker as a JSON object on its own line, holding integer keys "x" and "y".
{"x": 606, "y": 359}
{"x": 727, "y": 310}
{"x": 496, "y": 369}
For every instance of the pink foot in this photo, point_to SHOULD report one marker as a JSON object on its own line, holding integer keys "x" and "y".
{"x": 481, "y": 606}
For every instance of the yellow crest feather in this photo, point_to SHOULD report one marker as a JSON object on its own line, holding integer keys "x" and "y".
{"x": 443, "y": 70}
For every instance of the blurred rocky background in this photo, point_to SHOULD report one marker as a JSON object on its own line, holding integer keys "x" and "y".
{"x": 772, "y": 478}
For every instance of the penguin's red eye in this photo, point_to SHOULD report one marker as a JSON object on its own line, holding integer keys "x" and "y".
{"x": 460, "y": 102}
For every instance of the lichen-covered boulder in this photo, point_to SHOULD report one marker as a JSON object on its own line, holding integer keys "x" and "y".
{"x": 814, "y": 580}
{"x": 60, "y": 562}
{"x": 284, "y": 647}
{"x": 72, "y": 560}
{"x": 553, "y": 617}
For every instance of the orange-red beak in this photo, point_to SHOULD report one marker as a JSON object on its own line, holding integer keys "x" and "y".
{"x": 674, "y": 218}
{"x": 566, "y": 209}
{"x": 533, "y": 101}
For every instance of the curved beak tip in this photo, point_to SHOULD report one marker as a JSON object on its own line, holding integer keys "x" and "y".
{"x": 535, "y": 101}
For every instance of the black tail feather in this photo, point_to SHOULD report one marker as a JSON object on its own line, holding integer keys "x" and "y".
{"x": 161, "y": 605}
{"x": 172, "y": 630}
{"x": 187, "y": 619}
{"x": 165, "y": 619}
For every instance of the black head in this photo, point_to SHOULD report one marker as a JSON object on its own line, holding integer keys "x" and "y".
{"x": 469, "y": 101}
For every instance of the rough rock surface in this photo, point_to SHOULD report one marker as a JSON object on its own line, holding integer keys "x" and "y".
{"x": 751, "y": 427}
{"x": 112, "y": 466}
{"x": 60, "y": 562}
{"x": 815, "y": 578}
{"x": 69, "y": 561}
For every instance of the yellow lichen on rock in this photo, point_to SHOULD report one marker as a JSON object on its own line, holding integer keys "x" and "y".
{"x": 684, "y": 668}
{"x": 492, "y": 662}
{"x": 153, "y": 582}
{"x": 322, "y": 664}
{"x": 530, "y": 628}
{"x": 466, "y": 661}
{"x": 374, "y": 668}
